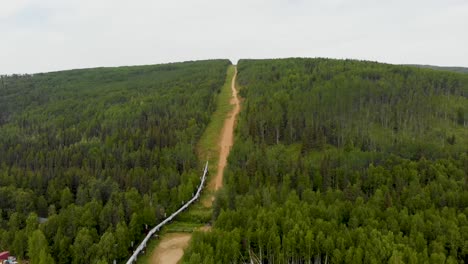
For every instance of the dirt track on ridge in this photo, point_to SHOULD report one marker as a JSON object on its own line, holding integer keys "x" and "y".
{"x": 227, "y": 137}
{"x": 171, "y": 248}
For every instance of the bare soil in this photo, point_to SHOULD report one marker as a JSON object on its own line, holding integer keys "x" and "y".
{"x": 226, "y": 139}
{"x": 171, "y": 248}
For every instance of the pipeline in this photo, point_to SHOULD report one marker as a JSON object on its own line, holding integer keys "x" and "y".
{"x": 155, "y": 229}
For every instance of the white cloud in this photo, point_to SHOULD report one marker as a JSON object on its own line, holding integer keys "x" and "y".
{"x": 50, "y": 35}
{"x": 10, "y": 8}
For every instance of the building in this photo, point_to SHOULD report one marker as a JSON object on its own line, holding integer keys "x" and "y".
{"x": 4, "y": 256}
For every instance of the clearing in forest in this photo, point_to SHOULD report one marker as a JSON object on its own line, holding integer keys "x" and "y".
{"x": 214, "y": 146}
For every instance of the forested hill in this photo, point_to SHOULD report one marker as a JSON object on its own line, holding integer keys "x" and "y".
{"x": 102, "y": 154}
{"x": 440, "y": 68}
{"x": 341, "y": 161}
{"x": 377, "y": 107}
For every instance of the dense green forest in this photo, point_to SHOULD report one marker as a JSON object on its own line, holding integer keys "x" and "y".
{"x": 89, "y": 159}
{"x": 342, "y": 161}
{"x": 453, "y": 69}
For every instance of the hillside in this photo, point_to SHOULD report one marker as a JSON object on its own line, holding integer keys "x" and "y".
{"x": 452, "y": 69}
{"x": 99, "y": 155}
{"x": 340, "y": 161}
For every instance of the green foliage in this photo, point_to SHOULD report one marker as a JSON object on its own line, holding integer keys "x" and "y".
{"x": 98, "y": 156}
{"x": 45, "y": 258}
{"x": 373, "y": 107}
{"x": 452, "y": 69}
{"x": 38, "y": 248}
{"x": 343, "y": 162}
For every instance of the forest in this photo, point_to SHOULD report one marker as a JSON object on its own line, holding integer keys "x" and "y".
{"x": 343, "y": 161}
{"x": 90, "y": 159}
{"x": 452, "y": 69}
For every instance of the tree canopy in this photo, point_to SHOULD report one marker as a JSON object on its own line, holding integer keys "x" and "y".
{"x": 99, "y": 155}
{"x": 343, "y": 161}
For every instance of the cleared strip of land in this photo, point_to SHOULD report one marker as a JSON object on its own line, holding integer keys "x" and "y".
{"x": 214, "y": 146}
{"x": 227, "y": 138}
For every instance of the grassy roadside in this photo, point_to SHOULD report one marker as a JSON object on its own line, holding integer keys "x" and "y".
{"x": 207, "y": 149}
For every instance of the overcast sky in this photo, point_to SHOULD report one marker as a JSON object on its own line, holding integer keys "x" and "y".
{"x": 50, "y": 35}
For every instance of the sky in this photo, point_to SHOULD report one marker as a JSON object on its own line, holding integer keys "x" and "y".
{"x": 50, "y": 35}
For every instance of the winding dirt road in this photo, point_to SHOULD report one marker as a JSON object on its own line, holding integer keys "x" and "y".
{"x": 171, "y": 248}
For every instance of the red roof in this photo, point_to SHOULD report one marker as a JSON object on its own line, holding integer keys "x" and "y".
{"x": 4, "y": 255}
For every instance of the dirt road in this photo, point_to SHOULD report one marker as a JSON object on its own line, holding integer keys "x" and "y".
{"x": 171, "y": 248}
{"x": 227, "y": 137}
